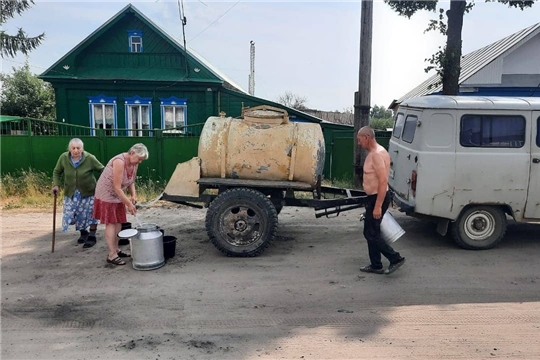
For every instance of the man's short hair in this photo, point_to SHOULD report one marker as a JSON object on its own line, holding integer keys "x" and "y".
{"x": 367, "y": 130}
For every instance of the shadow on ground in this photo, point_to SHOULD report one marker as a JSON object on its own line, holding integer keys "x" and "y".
{"x": 204, "y": 304}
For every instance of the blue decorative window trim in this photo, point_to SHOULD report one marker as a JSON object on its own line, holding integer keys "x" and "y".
{"x": 136, "y": 100}
{"x": 138, "y": 115}
{"x": 135, "y": 41}
{"x": 173, "y": 100}
{"x": 173, "y": 113}
{"x": 102, "y": 111}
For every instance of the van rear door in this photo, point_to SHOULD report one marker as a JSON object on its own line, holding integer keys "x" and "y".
{"x": 403, "y": 155}
{"x": 532, "y": 207}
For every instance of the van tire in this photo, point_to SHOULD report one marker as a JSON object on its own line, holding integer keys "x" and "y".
{"x": 479, "y": 227}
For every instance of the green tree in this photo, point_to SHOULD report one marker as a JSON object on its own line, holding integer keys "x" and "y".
{"x": 380, "y": 112}
{"x": 23, "y": 94}
{"x": 380, "y": 118}
{"x": 10, "y": 45}
{"x": 447, "y": 60}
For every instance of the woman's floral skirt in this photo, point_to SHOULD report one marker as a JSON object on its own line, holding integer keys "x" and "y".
{"x": 78, "y": 211}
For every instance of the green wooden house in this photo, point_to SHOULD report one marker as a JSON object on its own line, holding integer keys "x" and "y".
{"x": 130, "y": 74}
{"x": 129, "y": 77}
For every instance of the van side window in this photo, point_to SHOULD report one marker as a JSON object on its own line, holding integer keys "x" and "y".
{"x": 503, "y": 131}
{"x": 398, "y": 126}
{"x": 538, "y": 132}
{"x": 410, "y": 128}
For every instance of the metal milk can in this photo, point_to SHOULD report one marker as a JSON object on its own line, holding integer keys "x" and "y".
{"x": 146, "y": 242}
{"x": 390, "y": 229}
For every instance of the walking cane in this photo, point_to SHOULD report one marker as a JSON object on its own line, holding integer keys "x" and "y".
{"x": 54, "y": 220}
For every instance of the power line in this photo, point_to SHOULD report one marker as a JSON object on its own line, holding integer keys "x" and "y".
{"x": 215, "y": 21}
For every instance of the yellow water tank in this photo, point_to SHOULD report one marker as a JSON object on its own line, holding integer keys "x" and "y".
{"x": 263, "y": 145}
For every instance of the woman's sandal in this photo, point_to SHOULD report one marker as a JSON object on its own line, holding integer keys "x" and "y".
{"x": 122, "y": 254}
{"x": 116, "y": 261}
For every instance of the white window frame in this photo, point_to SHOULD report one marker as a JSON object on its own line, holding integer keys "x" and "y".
{"x": 139, "y": 103}
{"x": 177, "y": 105}
{"x": 102, "y": 100}
{"x": 135, "y": 46}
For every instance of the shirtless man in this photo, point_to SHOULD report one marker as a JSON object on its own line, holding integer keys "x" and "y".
{"x": 376, "y": 170}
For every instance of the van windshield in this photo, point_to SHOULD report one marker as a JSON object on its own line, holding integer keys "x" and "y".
{"x": 398, "y": 125}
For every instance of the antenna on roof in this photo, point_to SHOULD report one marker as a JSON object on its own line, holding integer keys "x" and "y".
{"x": 251, "y": 89}
{"x": 183, "y": 20}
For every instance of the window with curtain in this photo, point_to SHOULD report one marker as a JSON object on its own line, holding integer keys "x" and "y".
{"x": 138, "y": 119}
{"x": 173, "y": 114}
{"x": 506, "y": 131}
{"x": 103, "y": 113}
{"x": 138, "y": 115}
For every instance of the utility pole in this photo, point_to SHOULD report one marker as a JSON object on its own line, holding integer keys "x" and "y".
{"x": 362, "y": 98}
{"x": 251, "y": 89}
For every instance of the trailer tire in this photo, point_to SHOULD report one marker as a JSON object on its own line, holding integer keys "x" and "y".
{"x": 479, "y": 227}
{"x": 241, "y": 222}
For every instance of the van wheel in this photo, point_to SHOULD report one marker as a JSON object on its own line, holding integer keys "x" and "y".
{"x": 479, "y": 227}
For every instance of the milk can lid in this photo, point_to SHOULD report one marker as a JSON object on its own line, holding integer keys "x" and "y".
{"x": 127, "y": 233}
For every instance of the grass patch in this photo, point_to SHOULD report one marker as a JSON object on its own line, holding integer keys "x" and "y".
{"x": 32, "y": 189}
{"x": 148, "y": 190}
{"x": 26, "y": 188}
{"x": 342, "y": 183}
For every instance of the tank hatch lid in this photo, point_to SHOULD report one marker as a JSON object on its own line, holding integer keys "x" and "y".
{"x": 265, "y": 114}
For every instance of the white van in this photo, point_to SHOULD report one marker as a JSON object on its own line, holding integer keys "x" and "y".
{"x": 468, "y": 162}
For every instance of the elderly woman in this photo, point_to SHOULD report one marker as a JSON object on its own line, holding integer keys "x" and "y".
{"x": 77, "y": 167}
{"x": 111, "y": 201}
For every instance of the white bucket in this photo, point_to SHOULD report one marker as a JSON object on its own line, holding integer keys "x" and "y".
{"x": 390, "y": 229}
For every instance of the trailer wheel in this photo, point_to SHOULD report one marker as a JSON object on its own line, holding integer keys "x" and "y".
{"x": 479, "y": 227}
{"x": 241, "y": 222}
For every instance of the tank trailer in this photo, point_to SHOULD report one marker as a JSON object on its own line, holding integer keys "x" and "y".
{"x": 248, "y": 169}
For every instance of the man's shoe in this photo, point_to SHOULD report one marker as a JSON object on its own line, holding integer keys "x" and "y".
{"x": 395, "y": 266}
{"x": 371, "y": 269}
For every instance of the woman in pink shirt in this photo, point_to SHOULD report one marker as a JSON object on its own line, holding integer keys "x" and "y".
{"x": 111, "y": 201}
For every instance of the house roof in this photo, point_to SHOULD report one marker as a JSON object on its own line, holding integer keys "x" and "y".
{"x": 50, "y": 73}
{"x": 473, "y": 62}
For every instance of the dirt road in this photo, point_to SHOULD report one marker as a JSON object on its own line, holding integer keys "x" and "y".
{"x": 304, "y": 298}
